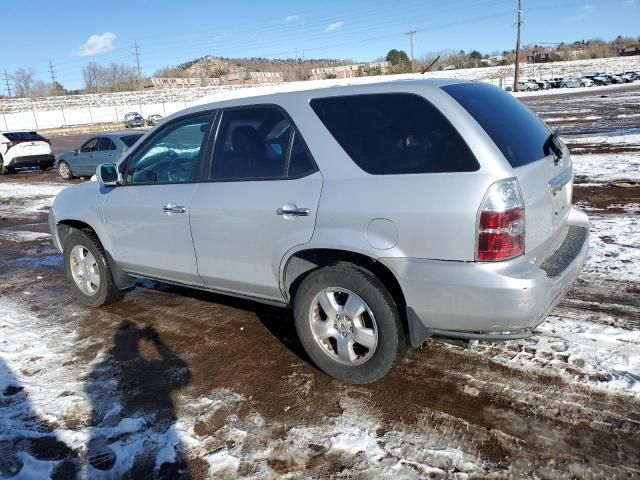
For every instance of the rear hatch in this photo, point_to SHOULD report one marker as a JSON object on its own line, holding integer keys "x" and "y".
{"x": 26, "y": 144}
{"x": 545, "y": 177}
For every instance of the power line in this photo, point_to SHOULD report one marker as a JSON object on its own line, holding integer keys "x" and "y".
{"x": 137, "y": 54}
{"x": 6, "y": 79}
{"x": 517, "y": 73}
{"x": 413, "y": 64}
{"x": 52, "y": 73}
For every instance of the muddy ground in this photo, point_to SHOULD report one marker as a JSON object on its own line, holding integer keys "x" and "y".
{"x": 543, "y": 421}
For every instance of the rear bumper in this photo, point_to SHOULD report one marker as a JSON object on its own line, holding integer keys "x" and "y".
{"x": 32, "y": 161}
{"x": 489, "y": 300}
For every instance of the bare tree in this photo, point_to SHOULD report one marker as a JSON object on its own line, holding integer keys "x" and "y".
{"x": 23, "y": 79}
{"x": 93, "y": 76}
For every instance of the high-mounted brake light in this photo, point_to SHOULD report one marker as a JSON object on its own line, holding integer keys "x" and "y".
{"x": 501, "y": 222}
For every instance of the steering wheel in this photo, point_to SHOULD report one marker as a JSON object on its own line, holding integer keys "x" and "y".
{"x": 180, "y": 169}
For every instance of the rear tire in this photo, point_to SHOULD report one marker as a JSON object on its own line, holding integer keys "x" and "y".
{"x": 88, "y": 271}
{"x": 64, "y": 170}
{"x": 3, "y": 169}
{"x": 332, "y": 336}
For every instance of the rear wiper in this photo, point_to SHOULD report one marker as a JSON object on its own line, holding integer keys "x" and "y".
{"x": 553, "y": 145}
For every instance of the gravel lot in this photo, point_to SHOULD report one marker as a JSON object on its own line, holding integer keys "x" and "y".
{"x": 176, "y": 383}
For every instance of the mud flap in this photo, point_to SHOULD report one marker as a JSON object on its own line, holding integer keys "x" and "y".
{"x": 122, "y": 279}
{"x": 418, "y": 333}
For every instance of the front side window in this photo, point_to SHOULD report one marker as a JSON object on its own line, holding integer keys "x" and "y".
{"x": 90, "y": 146}
{"x": 255, "y": 143}
{"x": 395, "y": 133}
{"x": 172, "y": 155}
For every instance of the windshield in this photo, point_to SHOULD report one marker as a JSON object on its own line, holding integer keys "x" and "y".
{"x": 514, "y": 128}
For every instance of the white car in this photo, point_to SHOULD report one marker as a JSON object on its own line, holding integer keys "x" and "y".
{"x": 527, "y": 86}
{"x": 586, "y": 82}
{"x": 24, "y": 148}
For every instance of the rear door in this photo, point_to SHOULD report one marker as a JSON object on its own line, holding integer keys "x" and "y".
{"x": 546, "y": 179}
{"x": 260, "y": 201}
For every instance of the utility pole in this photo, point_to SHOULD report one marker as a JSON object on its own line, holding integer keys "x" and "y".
{"x": 517, "y": 74}
{"x": 6, "y": 79}
{"x": 413, "y": 65}
{"x": 52, "y": 72}
{"x": 137, "y": 54}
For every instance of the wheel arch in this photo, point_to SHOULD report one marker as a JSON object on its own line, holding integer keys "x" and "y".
{"x": 302, "y": 262}
{"x": 64, "y": 227}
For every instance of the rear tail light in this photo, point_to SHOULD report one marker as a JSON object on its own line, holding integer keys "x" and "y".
{"x": 501, "y": 222}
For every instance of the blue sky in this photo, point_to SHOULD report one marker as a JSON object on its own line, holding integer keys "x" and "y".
{"x": 73, "y": 32}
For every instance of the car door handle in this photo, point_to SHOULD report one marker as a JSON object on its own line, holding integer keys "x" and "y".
{"x": 171, "y": 208}
{"x": 292, "y": 210}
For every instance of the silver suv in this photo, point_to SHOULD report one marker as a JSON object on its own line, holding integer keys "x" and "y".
{"x": 383, "y": 214}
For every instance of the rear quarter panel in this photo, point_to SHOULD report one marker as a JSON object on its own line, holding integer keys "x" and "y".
{"x": 434, "y": 214}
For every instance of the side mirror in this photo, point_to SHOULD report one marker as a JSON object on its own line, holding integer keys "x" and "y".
{"x": 76, "y": 151}
{"x": 107, "y": 174}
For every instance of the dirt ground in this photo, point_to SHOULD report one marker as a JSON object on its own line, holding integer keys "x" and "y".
{"x": 169, "y": 347}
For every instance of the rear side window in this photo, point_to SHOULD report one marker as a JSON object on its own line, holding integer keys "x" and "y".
{"x": 395, "y": 133}
{"x": 129, "y": 140}
{"x": 105, "y": 144}
{"x": 514, "y": 128}
{"x": 23, "y": 136}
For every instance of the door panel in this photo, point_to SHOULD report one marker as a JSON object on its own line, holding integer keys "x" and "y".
{"x": 239, "y": 237}
{"x": 147, "y": 219}
{"x": 148, "y": 240}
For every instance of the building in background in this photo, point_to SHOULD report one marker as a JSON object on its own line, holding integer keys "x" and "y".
{"x": 246, "y": 78}
{"x": 350, "y": 71}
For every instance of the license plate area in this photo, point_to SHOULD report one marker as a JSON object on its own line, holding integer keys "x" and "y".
{"x": 560, "y": 188}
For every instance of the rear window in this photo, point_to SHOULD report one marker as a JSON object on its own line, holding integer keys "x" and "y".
{"x": 23, "y": 136}
{"x": 394, "y": 133}
{"x": 129, "y": 140}
{"x": 514, "y": 128}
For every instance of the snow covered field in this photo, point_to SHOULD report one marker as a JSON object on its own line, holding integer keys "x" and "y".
{"x": 179, "y": 384}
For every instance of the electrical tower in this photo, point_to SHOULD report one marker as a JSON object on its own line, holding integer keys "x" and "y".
{"x": 6, "y": 79}
{"x": 52, "y": 72}
{"x": 516, "y": 77}
{"x": 136, "y": 49}
{"x": 413, "y": 64}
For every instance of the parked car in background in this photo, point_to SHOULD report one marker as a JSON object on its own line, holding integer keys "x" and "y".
{"x": 105, "y": 148}
{"x": 571, "y": 82}
{"x": 635, "y": 75}
{"x": 542, "y": 84}
{"x": 527, "y": 86}
{"x": 555, "y": 82}
{"x": 133, "y": 119}
{"x": 601, "y": 80}
{"x": 586, "y": 82}
{"x": 626, "y": 78}
{"x": 614, "y": 79}
{"x": 254, "y": 189}
{"x": 24, "y": 148}
{"x": 153, "y": 119}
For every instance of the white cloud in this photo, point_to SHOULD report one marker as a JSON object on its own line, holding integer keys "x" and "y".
{"x": 97, "y": 44}
{"x": 292, "y": 18}
{"x": 334, "y": 26}
{"x": 582, "y": 13}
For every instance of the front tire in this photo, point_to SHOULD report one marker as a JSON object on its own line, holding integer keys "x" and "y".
{"x": 348, "y": 323}
{"x": 64, "y": 170}
{"x": 87, "y": 270}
